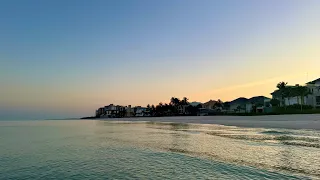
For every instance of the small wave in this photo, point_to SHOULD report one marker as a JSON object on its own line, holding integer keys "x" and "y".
{"x": 273, "y": 138}
{"x": 299, "y": 143}
{"x": 300, "y": 138}
{"x": 273, "y": 132}
{"x": 177, "y": 150}
{"x": 190, "y": 131}
{"x": 285, "y": 138}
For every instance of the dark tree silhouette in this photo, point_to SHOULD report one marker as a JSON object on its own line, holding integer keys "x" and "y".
{"x": 184, "y": 101}
{"x": 301, "y": 91}
{"x": 275, "y": 102}
{"x": 284, "y": 92}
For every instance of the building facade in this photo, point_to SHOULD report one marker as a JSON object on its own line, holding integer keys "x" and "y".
{"x": 312, "y": 99}
{"x": 183, "y": 109}
{"x": 111, "y": 111}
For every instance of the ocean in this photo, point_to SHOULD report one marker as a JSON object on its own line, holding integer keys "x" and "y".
{"x": 104, "y": 149}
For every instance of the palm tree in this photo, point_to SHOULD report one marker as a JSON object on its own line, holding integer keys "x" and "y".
{"x": 288, "y": 93}
{"x": 219, "y": 103}
{"x": 239, "y": 108}
{"x": 302, "y": 91}
{"x": 184, "y": 101}
{"x": 159, "y": 108}
{"x": 282, "y": 86}
{"x": 175, "y": 101}
{"x": 149, "y": 108}
{"x": 172, "y": 100}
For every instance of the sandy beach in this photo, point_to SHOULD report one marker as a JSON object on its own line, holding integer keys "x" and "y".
{"x": 303, "y": 121}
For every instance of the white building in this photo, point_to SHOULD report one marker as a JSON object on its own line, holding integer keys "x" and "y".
{"x": 294, "y": 100}
{"x": 142, "y": 111}
{"x": 312, "y": 99}
{"x": 182, "y": 109}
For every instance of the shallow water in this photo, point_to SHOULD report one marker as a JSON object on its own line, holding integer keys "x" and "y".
{"x": 148, "y": 150}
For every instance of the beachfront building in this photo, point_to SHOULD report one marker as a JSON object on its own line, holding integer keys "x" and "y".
{"x": 99, "y": 112}
{"x": 312, "y": 98}
{"x": 287, "y": 101}
{"x": 238, "y": 105}
{"x": 203, "y": 112}
{"x": 129, "y": 111}
{"x": 210, "y": 104}
{"x": 210, "y": 107}
{"x": 194, "y": 104}
{"x": 111, "y": 111}
{"x": 260, "y": 104}
{"x": 182, "y": 109}
{"x": 257, "y": 104}
{"x": 141, "y": 111}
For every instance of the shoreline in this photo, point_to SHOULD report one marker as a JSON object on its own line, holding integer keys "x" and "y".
{"x": 295, "y": 121}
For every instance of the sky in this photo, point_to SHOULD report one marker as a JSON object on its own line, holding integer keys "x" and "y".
{"x": 66, "y": 58}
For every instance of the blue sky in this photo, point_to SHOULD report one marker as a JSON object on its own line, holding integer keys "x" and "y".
{"x": 67, "y": 58}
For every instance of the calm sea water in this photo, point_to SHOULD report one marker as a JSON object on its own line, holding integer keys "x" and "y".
{"x": 87, "y": 149}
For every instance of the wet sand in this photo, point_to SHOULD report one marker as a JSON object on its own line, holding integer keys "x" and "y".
{"x": 301, "y": 121}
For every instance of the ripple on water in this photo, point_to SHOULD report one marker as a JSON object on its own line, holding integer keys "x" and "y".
{"x": 274, "y": 132}
{"x": 145, "y": 150}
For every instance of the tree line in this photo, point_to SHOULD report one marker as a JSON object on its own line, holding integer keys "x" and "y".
{"x": 172, "y": 108}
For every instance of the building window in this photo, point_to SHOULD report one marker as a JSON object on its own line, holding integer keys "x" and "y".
{"x": 318, "y": 100}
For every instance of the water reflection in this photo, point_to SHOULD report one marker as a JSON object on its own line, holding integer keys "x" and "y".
{"x": 179, "y": 141}
{"x": 244, "y": 146}
{"x": 125, "y": 150}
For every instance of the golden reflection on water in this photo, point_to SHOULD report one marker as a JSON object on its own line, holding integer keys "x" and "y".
{"x": 294, "y": 151}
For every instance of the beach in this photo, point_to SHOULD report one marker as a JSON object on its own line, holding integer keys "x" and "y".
{"x": 301, "y": 121}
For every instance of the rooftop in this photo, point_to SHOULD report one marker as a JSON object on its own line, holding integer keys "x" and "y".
{"x": 210, "y": 102}
{"x": 314, "y": 81}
